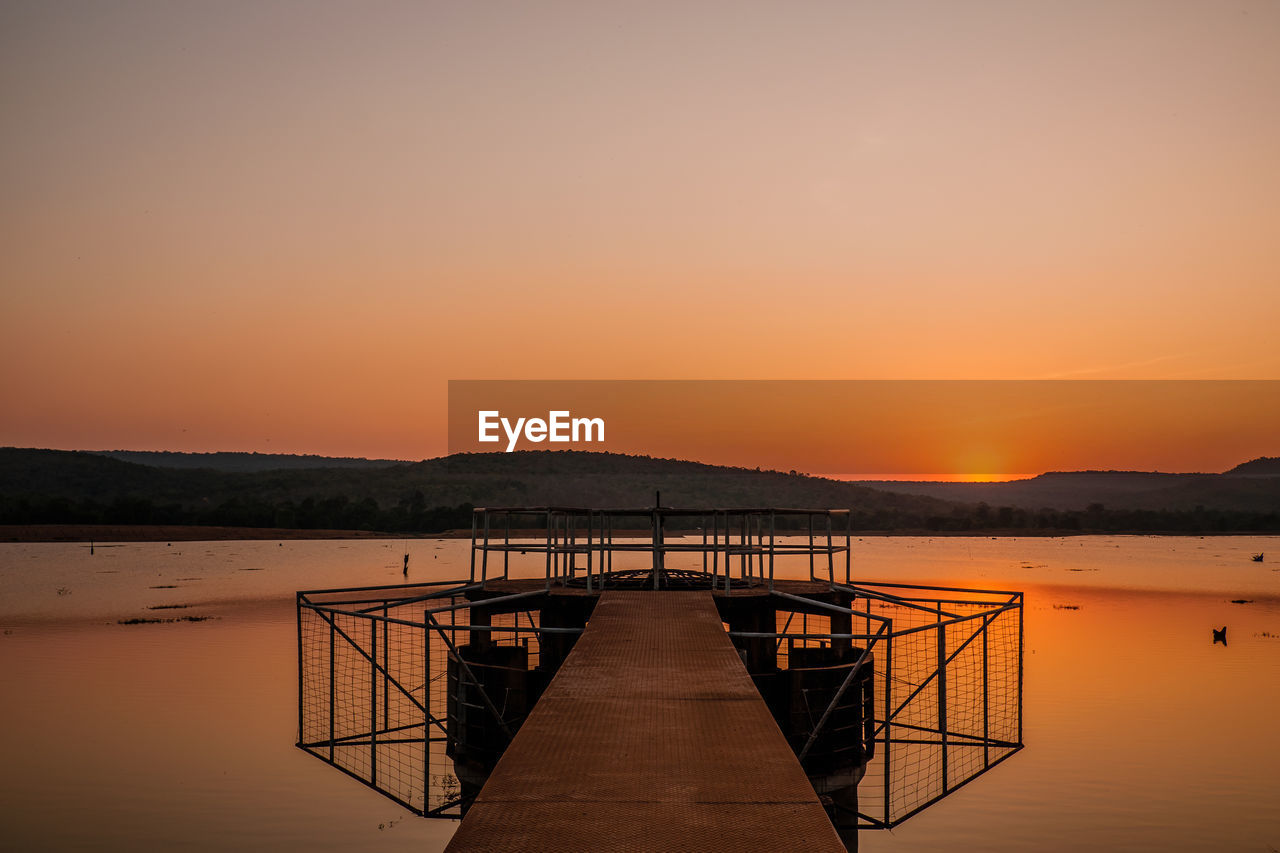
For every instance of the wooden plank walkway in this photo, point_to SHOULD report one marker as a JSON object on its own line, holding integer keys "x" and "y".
{"x": 650, "y": 737}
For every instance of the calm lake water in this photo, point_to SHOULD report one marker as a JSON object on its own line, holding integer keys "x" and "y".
{"x": 1141, "y": 734}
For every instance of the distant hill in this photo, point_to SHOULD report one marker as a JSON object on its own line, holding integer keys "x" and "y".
{"x": 51, "y": 486}
{"x": 1057, "y": 490}
{"x": 226, "y": 461}
{"x": 1247, "y": 488}
{"x": 495, "y": 479}
{"x": 579, "y": 478}
{"x": 1263, "y": 466}
{"x": 69, "y": 487}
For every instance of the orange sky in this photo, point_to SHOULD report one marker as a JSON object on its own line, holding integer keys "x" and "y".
{"x": 909, "y": 429}
{"x": 284, "y": 227}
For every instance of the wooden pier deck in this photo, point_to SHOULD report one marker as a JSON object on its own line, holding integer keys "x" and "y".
{"x": 650, "y": 737}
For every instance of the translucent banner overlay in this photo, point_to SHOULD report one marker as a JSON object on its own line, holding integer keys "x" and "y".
{"x": 881, "y": 429}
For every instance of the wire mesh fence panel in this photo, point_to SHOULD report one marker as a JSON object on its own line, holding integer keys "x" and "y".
{"x": 949, "y": 706}
{"x": 444, "y": 789}
{"x": 373, "y": 697}
{"x": 314, "y": 642}
{"x": 1004, "y": 682}
{"x": 905, "y": 694}
{"x": 964, "y": 729}
{"x": 915, "y": 751}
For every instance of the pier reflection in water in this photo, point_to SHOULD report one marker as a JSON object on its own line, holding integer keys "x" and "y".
{"x": 891, "y": 696}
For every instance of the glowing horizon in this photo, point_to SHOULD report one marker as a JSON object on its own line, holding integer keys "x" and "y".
{"x": 930, "y": 478}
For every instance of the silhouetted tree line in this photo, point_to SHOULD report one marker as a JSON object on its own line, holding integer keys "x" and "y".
{"x": 1093, "y": 519}
{"x": 42, "y": 486}
{"x": 409, "y": 515}
{"x": 412, "y": 515}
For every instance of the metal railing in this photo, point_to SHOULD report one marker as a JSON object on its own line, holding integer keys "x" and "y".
{"x": 578, "y": 544}
{"x": 415, "y": 689}
{"x": 948, "y": 674}
{"x": 374, "y": 683}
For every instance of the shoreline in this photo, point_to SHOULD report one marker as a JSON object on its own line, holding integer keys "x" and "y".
{"x": 178, "y": 533}
{"x": 34, "y": 533}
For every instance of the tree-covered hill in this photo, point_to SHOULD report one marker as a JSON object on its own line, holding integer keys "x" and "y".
{"x": 51, "y": 486}
{"x": 1250, "y": 487}
{"x": 1263, "y": 466}
{"x": 234, "y": 461}
{"x": 68, "y": 487}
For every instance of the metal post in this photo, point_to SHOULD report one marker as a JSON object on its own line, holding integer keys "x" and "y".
{"x": 811, "y": 565}
{"x": 986, "y": 702}
{"x": 373, "y": 701}
{"x": 715, "y": 548}
{"x": 548, "y": 549}
{"x": 658, "y": 544}
{"x": 386, "y": 668}
{"x": 758, "y": 547}
{"x": 333, "y": 631}
{"x": 772, "y": 525}
{"x": 426, "y": 703}
{"x": 1020, "y": 608}
{"x": 301, "y": 671}
{"x": 728, "y": 536}
{"x": 590, "y": 524}
{"x": 484, "y": 558}
{"x": 703, "y": 527}
{"x": 848, "y": 545}
{"x": 831, "y": 555}
{"x": 942, "y": 696}
{"x": 473, "y": 547}
{"x": 886, "y": 751}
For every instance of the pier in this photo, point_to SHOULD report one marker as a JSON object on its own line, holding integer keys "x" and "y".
{"x": 651, "y": 736}
{"x": 659, "y": 678}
